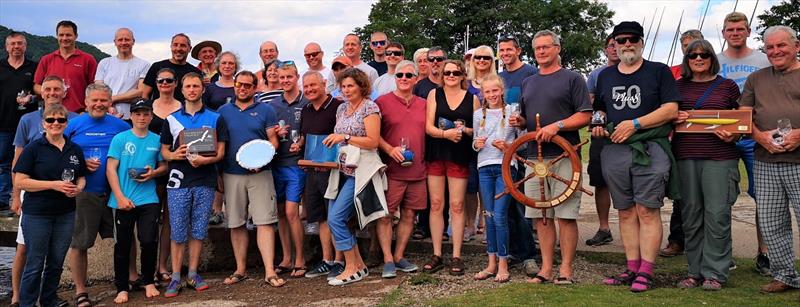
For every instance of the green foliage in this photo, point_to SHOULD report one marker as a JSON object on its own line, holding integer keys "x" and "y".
{"x": 424, "y": 279}
{"x": 416, "y": 24}
{"x": 787, "y": 13}
{"x": 41, "y": 45}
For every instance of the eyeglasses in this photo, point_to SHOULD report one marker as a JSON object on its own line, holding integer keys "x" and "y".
{"x": 378, "y": 43}
{"x": 454, "y": 73}
{"x": 633, "y": 39}
{"x": 165, "y": 80}
{"x": 60, "y": 120}
{"x": 394, "y": 53}
{"x": 286, "y": 64}
{"x": 704, "y": 55}
{"x": 312, "y": 54}
{"x": 435, "y": 59}
{"x": 482, "y": 57}
{"x": 407, "y": 75}
{"x": 246, "y": 86}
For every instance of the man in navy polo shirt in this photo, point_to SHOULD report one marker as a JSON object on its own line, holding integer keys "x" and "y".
{"x": 92, "y": 131}
{"x": 249, "y": 192}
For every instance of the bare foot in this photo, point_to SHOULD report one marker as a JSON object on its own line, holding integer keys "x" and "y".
{"x": 122, "y": 297}
{"x": 151, "y": 291}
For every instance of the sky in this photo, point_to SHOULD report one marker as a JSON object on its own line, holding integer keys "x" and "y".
{"x": 241, "y": 25}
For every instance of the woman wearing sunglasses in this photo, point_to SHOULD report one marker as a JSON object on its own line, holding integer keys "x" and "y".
{"x": 448, "y": 152}
{"x": 709, "y": 168}
{"x": 51, "y": 171}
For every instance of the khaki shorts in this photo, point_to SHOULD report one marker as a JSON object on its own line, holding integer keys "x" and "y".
{"x": 569, "y": 209}
{"x": 250, "y": 196}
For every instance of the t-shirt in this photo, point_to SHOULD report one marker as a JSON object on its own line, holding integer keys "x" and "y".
{"x": 353, "y": 125}
{"x": 591, "y": 81}
{"x": 12, "y": 81}
{"x": 676, "y": 71}
{"x": 371, "y": 72}
{"x": 30, "y": 127}
{"x": 424, "y": 87}
{"x": 513, "y": 81}
{"x": 706, "y": 146}
{"x": 321, "y": 122}
{"x": 629, "y": 96}
{"x": 738, "y": 69}
{"x": 133, "y": 151}
{"x": 77, "y": 71}
{"x": 181, "y": 173}
{"x": 290, "y": 113}
{"x": 247, "y": 124}
{"x": 401, "y": 120}
{"x": 43, "y": 161}
{"x": 180, "y": 70}
{"x": 773, "y": 95}
{"x": 267, "y": 97}
{"x": 380, "y": 67}
{"x": 385, "y": 84}
{"x": 216, "y": 95}
{"x": 555, "y": 96}
{"x": 90, "y": 133}
{"x": 121, "y": 75}
{"x": 495, "y": 127}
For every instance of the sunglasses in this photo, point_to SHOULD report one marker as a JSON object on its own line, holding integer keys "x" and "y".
{"x": 435, "y": 59}
{"x": 338, "y": 67}
{"x": 407, "y": 75}
{"x": 165, "y": 80}
{"x": 633, "y": 39}
{"x": 704, "y": 55}
{"x": 394, "y": 53}
{"x": 508, "y": 38}
{"x": 60, "y": 120}
{"x": 482, "y": 57}
{"x": 312, "y": 54}
{"x": 246, "y": 86}
{"x": 283, "y": 64}
{"x": 454, "y": 73}
{"x": 378, "y": 43}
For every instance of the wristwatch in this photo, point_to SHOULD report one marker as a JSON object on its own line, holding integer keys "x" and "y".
{"x": 560, "y": 124}
{"x": 346, "y": 138}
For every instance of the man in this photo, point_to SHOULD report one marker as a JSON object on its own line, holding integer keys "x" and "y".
{"x": 179, "y": 46}
{"x": 16, "y": 77}
{"x": 561, "y": 97}
{"x": 436, "y": 57}
{"x": 640, "y": 99}
{"x": 737, "y": 62}
{"x": 123, "y": 73}
{"x": 192, "y": 181}
{"x": 351, "y": 45}
{"x": 402, "y": 117}
{"x": 75, "y": 67}
{"x": 313, "y": 54}
{"x": 602, "y": 199}
{"x": 378, "y": 43}
{"x": 386, "y": 83}
{"x": 289, "y": 178}
{"x": 134, "y": 198}
{"x": 318, "y": 118}
{"x": 250, "y": 192}
{"x": 773, "y": 93}
{"x": 268, "y": 51}
{"x": 93, "y": 132}
{"x": 686, "y": 38}
{"x": 514, "y": 70}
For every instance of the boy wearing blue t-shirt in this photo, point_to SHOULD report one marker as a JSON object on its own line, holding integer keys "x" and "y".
{"x": 134, "y": 159}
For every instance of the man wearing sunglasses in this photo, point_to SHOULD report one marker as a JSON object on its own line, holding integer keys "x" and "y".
{"x": 313, "y": 54}
{"x": 180, "y": 46}
{"x": 352, "y": 50}
{"x": 386, "y": 83}
{"x": 436, "y": 56}
{"x": 379, "y": 43}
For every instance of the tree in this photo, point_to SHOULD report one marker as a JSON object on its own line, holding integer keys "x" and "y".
{"x": 425, "y": 23}
{"x": 787, "y": 13}
{"x": 38, "y": 46}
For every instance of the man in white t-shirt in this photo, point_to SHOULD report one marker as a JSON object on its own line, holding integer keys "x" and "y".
{"x": 122, "y": 73}
{"x": 352, "y": 50}
{"x": 314, "y": 54}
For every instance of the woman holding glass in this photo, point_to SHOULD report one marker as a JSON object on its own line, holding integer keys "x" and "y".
{"x": 51, "y": 171}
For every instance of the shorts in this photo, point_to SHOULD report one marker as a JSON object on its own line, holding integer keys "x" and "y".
{"x": 451, "y": 169}
{"x": 315, "y": 204}
{"x": 473, "y": 181}
{"x": 189, "y": 211}
{"x": 20, "y": 236}
{"x": 631, "y": 184}
{"x": 250, "y": 196}
{"x": 411, "y": 194}
{"x": 567, "y": 210}
{"x": 92, "y": 217}
{"x": 595, "y": 167}
{"x": 289, "y": 183}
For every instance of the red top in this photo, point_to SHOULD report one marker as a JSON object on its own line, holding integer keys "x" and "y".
{"x": 77, "y": 71}
{"x": 399, "y": 120}
{"x": 676, "y": 71}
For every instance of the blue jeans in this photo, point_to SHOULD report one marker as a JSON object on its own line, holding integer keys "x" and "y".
{"x": 6, "y": 156}
{"x": 47, "y": 240}
{"x": 491, "y": 184}
{"x": 746, "y": 147}
{"x": 521, "y": 244}
{"x": 340, "y": 212}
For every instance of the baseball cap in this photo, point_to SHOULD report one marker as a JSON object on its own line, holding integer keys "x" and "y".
{"x": 142, "y": 104}
{"x": 628, "y": 27}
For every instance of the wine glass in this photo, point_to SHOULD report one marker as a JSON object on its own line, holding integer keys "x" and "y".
{"x": 459, "y": 124}
{"x": 784, "y": 128}
{"x": 281, "y": 124}
{"x": 192, "y": 153}
{"x": 68, "y": 175}
{"x": 403, "y": 144}
{"x": 515, "y": 111}
{"x": 94, "y": 154}
{"x": 295, "y": 136}
{"x": 25, "y": 97}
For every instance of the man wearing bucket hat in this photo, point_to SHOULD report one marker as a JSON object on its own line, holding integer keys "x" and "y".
{"x": 206, "y": 52}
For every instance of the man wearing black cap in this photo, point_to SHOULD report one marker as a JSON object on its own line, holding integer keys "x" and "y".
{"x": 179, "y": 46}
{"x": 639, "y": 100}
{"x": 134, "y": 160}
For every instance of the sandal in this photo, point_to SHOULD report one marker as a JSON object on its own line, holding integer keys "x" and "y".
{"x": 484, "y": 275}
{"x": 436, "y": 263}
{"x": 418, "y": 235}
{"x": 625, "y": 278}
{"x": 280, "y": 270}
{"x": 564, "y": 281}
{"x": 82, "y": 300}
{"x": 689, "y": 282}
{"x": 302, "y": 273}
{"x": 502, "y": 278}
{"x": 136, "y": 285}
{"x": 234, "y": 279}
{"x": 456, "y": 266}
{"x": 274, "y": 281}
{"x": 164, "y": 277}
{"x": 643, "y": 282}
{"x": 539, "y": 279}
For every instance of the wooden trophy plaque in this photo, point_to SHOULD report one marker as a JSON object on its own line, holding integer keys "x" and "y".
{"x": 202, "y": 141}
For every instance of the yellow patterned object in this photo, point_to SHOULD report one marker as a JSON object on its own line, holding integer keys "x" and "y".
{"x": 712, "y": 121}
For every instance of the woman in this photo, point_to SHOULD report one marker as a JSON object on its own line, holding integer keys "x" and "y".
{"x": 421, "y": 58}
{"x": 709, "y": 168}
{"x": 221, "y": 92}
{"x": 358, "y": 125}
{"x": 206, "y": 52}
{"x": 493, "y": 132}
{"x": 51, "y": 170}
{"x": 271, "y": 88}
{"x": 448, "y": 124}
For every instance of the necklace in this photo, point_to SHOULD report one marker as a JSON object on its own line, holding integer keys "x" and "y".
{"x": 351, "y": 109}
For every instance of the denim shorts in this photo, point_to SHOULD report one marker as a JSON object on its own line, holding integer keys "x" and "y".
{"x": 289, "y": 183}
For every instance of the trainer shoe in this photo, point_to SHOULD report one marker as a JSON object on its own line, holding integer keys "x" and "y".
{"x": 336, "y": 269}
{"x": 672, "y": 250}
{"x": 602, "y": 237}
{"x": 762, "y": 264}
{"x": 406, "y": 266}
{"x": 733, "y": 265}
{"x": 323, "y": 268}
{"x": 389, "y": 270}
{"x": 197, "y": 283}
{"x": 173, "y": 288}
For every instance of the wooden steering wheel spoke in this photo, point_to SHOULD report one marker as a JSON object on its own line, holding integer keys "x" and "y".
{"x": 523, "y": 160}
{"x": 554, "y": 161}
{"x": 567, "y": 182}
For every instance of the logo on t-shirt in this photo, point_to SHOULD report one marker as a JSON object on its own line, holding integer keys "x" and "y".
{"x": 130, "y": 149}
{"x": 73, "y": 159}
{"x": 630, "y": 97}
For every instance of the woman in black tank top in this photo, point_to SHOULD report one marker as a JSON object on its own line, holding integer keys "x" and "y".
{"x": 448, "y": 152}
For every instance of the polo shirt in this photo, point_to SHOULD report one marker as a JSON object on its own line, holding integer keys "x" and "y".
{"x": 181, "y": 173}
{"x": 30, "y": 127}
{"x": 180, "y": 71}
{"x": 44, "y": 161}
{"x": 290, "y": 113}
{"x": 399, "y": 120}
{"x": 12, "y": 81}
{"x": 322, "y": 121}
{"x": 133, "y": 151}
{"x": 90, "y": 133}
{"x": 251, "y": 124}
{"x": 77, "y": 71}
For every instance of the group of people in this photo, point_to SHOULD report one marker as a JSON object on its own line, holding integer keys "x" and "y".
{"x": 420, "y": 146}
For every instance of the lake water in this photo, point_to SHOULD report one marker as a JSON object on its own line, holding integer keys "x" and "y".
{"x": 6, "y": 259}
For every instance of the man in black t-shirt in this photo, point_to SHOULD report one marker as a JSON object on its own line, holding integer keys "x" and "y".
{"x": 180, "y": 47}
{"x": 378, "y": 42}
{"x": 436, "y": 57}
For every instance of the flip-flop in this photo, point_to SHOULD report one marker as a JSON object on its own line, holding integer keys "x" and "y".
{"x": 274, "y": 281}
{"x": 295, "y": 270}
{"x": 502, "y": 278}
{"x": 564, "y": 281}
{"x": 538, "y": 279}
{"x": 234, "y": 279}
{"x": 280, "y": 270}
{"x": 483, "y": 275}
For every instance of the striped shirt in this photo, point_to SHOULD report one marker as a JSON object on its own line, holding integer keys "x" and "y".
{"x": 705, "y": 146}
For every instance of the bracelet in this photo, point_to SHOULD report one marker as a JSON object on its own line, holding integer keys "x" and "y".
{"x": 636, "y": 124}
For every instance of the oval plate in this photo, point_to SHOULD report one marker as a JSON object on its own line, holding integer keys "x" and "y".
{"x": 255, "y": 154}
